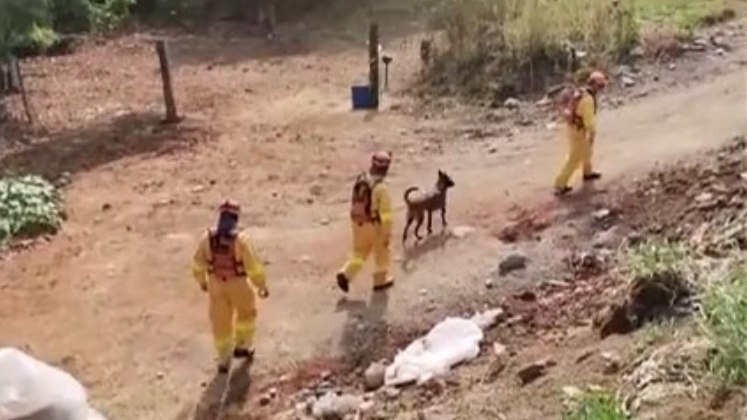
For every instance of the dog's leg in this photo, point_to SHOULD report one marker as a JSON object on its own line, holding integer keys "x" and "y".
{"x": 443, "y": 218}
{"x": 418, "y": 226}
{"x": 407, "y": 227}
{"x": 430, "y": 222}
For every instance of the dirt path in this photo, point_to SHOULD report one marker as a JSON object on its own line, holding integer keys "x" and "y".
{"x": 110, "y": 297}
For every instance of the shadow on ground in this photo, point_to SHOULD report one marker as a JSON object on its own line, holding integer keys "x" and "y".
{"x": 365, "y": 329}
{"x": 224, "y": 393}
{"x": 99, "y": 143}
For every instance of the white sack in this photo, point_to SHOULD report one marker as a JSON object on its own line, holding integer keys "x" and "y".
{"x": 31, "y": 389}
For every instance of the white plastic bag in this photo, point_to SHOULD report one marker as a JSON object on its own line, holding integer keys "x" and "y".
{"x": 33, "y": 390}
{"x": 452, "y": 341}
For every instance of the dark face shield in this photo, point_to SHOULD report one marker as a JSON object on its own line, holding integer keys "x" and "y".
{"x": 227, "y": 223}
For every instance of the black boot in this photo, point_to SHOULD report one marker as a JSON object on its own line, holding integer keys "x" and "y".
{"x": 592, "y": 176}
{"x": 243, "y": 353}
{"x": 562, "y": 191}
{"x": 343, "y": 283}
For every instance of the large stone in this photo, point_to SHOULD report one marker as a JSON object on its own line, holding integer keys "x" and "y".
{"x": 612, "y": 362}
{"x": 511, "y": 263}
{"x": 534, "y": 371}
{"x": 374, "y": 376}
{"x": 511, "y": 103}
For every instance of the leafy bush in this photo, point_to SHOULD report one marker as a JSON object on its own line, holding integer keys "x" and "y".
{"x": 656, "y": 259}
{"x": 595, "y": 405}
{"x": 29, "y": 206}
{"x": 724, "y": 319}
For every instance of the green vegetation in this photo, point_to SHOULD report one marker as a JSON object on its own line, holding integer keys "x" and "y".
{"x": 595, "y": 405}
{"x": 724, "y": 319}
{"x": 29, "y": 206}
{"x": 654, "y": 259}
{"x": 513, "y": 46}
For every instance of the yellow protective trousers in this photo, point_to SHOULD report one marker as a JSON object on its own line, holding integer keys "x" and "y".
{"x": 369, "y": 237}
{"x": 233, "y": 315}
{"x": 579, "y": 156}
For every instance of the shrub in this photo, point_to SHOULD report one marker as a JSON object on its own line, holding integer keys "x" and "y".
{"x": 29, "y": 206}
{"x": 724, "y": 319}
{"x": 654, "y": 259}
{"x": 595, "y": 405}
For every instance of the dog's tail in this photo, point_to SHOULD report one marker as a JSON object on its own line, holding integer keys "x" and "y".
{"x": 407, "y": 194}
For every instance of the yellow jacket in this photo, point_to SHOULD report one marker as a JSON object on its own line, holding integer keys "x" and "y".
{"x": 586, "y": 109}
{"x": 245, "y": 252}
{"x": 381, "y": 206}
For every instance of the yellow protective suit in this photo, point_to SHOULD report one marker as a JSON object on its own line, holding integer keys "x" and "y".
{"x": 373, "y": 236}
{"x": 580, "y": 141}
{"x": 231, "y": 298}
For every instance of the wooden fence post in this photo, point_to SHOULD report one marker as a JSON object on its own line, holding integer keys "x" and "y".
{"x": 16, "y": 68}
{"x": 373, "y": 57}
{"x": 168, "y": 93}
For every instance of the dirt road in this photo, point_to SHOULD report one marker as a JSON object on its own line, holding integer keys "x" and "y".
{"x": 110, "y": 298}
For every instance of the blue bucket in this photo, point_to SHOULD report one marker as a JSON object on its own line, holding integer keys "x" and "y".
{"x": 361, "y": 96}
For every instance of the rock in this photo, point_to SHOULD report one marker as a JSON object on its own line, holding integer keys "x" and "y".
{"x": 160, "y": 375}
{"x": 602, "y": 214}
{"x": 366, "y": 406}
{"x": 612, "y": 362}
{"x": 637, "y": 52}
{"x": 720, "y": 51}
{"x": 720, "y": 42}
{"x": 605, "y": 238}
{"x": 332, "y": 406}
{"x": 499, "y": 350}
{"x": 527, "y": 296}
{"x": 511, "y": 103}
{"x": 106, "y": 207}
{"x": 460, "y": 232}
{"x": 512, "y": 263}
{"x": 324, "y": 221}
{"x": 584, "y": 356}
{"x": 533, "y": 371}
{"x": 509, "y": 233}
{"x": 615, "y": 320}
{"x": 524, "y": 121}
{"x": 488, "y": 283}
{"x": 272, "y": 392}
{"x": 628, "y": 81}
{"x": 315, "y": 190}
{"x": 392, "y": 393}
{"x": 672, "y": 66}
{"x": 374, "y": 376}
{"x": 265, "y": 400}
{"x": 492, "y": 150}
{"x": 63, "y": 180}
{"x": 572, "y": 392}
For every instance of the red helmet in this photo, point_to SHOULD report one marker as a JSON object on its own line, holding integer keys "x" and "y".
{"x": 381, "y": 159}
{"x": 230, "y": 207}
{"x": 598, "y": 79}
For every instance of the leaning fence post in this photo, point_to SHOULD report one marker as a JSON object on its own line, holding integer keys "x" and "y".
{"x": 168, "y": 93}
{"x": 16, "y": 67}
{"x": 373, "y": 61}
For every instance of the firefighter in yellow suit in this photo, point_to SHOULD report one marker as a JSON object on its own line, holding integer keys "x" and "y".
{"x": 223, "y": 261}
{"x": 371, "y": 222}
{"x": 580, "y": 127}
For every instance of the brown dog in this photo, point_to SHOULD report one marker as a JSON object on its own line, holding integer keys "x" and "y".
{"x": 430, "y": 201}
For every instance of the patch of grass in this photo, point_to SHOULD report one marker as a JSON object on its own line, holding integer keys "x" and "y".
{"x": 724, "y": 320}
{"x": 656, "y": 259}
{"x": 508, "y": 47}
{"x": 29, "y": 206}
{"x": 595, "y": 405}
{"x": 682, "y": 15}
